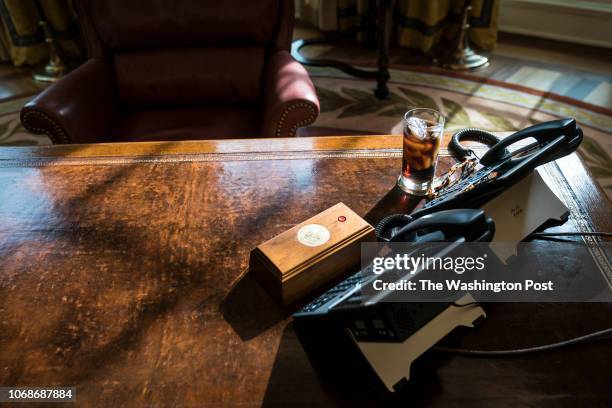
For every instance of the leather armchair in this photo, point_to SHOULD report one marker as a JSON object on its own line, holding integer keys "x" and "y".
{"x": 178, "y": 70}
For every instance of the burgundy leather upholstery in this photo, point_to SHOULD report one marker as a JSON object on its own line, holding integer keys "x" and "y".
{"x": 205, "y": 76}
{"x": 288, "y": 98}
{"x": 184, "y": 22}
{"x": 177, "y": 70}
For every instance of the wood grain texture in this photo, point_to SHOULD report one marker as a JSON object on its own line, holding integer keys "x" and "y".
{"x": 122, "y": 272}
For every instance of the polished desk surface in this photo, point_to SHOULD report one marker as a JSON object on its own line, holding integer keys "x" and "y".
{"x": 122, "y": 272}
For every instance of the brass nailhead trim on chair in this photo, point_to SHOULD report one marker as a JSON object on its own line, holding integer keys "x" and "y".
{"x": 311, "y": 118}
{"x": 63, "y": 136}
{"x": 59, "y": 131}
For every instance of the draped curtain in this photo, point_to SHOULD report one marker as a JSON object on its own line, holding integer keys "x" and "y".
{"x": 22, "y": 41}
{"x": 419, "y": 24}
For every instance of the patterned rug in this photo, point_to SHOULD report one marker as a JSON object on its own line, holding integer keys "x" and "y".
{"x": 12, "y": 133}
{"x": 467, "y": 101}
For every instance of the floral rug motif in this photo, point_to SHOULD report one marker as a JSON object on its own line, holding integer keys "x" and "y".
{"x": 12, "y": 132}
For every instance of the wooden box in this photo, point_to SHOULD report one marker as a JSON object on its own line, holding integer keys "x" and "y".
{"x": 310, "y": 254}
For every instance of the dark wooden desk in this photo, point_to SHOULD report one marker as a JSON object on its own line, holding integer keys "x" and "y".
{"x": 122, "y": 273}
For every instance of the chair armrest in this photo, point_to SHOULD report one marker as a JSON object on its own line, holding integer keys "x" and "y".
{"x": 290, "y": 99}
{"x": 79, "y": 108}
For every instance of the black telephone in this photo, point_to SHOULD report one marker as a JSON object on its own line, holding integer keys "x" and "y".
{"x": 334, "y": 326}
{"x": 503, "y": 168}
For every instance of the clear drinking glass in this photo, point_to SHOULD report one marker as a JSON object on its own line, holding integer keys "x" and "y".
{"x": 423, "y": 129}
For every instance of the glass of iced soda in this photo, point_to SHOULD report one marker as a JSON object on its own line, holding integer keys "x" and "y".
{"x": 423, "y": 129}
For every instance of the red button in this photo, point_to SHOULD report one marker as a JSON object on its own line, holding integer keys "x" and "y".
{"x": 342, "y": 218}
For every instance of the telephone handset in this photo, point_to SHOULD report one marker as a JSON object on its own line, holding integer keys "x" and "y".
{"x": 451, "y": 225}
{"x": 561, "y": 137}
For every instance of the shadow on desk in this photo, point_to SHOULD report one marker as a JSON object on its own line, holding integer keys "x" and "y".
{"x": 249, "y": 309}
{"x": 329, "y": 377}
{"x": 394, "y": 202}
{"x": 574, "y": 376}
